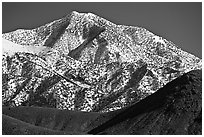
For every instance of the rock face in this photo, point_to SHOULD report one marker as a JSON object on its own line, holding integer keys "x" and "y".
{"x": 174, "y": 109}
{"x": 84, "y": 62}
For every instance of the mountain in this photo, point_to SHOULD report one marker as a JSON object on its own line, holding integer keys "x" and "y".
{"x": 174, "y": 109}
{"x": 84, "y": 62}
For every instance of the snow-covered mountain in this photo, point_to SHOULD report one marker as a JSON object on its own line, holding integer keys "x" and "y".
{"x": 85, "y": 62}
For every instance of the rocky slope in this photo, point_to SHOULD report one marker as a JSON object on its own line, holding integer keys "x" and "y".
{"x": 174, "y": 109}
{"x": 85, "y": 62}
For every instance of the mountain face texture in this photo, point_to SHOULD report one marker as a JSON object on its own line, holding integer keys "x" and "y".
{"x": 174, "y": 109}
{"x": 83, "y": 62}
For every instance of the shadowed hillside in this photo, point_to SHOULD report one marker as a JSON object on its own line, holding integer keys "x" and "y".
{"x": 54, "y": 119}
{"x": 12, "y": 126}
{"x": 174, "y": 109}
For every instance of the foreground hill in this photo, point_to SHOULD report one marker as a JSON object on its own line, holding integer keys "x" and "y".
{"x": 12, "y": 126}
{"x": 174, "y": 109}
{"x": 71, "y": 122}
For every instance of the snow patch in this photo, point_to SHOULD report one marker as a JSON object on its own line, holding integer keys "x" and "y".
{"x": 158, "y": 39}
{"x": 11, "y": 48}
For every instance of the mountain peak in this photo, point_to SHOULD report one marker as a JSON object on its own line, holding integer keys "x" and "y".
{"x": 85, "y": 62}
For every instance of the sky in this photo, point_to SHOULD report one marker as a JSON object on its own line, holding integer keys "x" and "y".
{"x": 179, "y": 22}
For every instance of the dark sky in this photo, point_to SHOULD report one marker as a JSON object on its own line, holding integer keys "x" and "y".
{"x": 180, "y": 23}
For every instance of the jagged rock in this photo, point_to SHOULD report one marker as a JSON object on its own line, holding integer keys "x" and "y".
{"x": 83, "y": 52}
